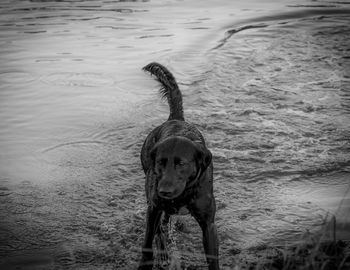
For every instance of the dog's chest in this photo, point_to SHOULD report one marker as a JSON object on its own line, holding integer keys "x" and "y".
{"x": 173, "y": 209}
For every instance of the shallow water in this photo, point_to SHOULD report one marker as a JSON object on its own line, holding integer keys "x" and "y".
{"x": 267, "y": 84}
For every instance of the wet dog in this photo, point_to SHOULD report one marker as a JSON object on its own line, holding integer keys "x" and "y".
{"x": 179, "y": 173}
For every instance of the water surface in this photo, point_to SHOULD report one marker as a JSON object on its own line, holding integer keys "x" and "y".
{"x": 267, "y": 84}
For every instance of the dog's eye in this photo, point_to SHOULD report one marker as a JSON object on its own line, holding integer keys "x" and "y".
{"x": 161, "y": 162}
{"x": 180, "y": 163}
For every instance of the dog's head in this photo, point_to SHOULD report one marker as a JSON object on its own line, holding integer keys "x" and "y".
{"x": 178, "y": 161}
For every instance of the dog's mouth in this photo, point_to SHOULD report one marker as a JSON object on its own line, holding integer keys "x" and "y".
{"x": 170, "y": 194}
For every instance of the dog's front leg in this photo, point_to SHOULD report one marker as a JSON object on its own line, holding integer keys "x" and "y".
{"x": 153, "y": 217}
{"x": 204, "y": 212}
{"x": 210, "y": 244}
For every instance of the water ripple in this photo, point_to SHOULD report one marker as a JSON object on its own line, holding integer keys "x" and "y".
{"x": 78, "y": 79}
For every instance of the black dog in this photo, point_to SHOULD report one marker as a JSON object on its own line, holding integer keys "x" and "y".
{"x": 179, "y": 173}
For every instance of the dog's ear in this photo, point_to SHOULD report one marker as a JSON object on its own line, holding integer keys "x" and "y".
{"x": 204, "y": 156}
{"x": 153, "y": 154}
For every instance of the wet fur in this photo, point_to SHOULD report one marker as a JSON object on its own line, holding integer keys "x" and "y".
{"x": 176, "y": 135}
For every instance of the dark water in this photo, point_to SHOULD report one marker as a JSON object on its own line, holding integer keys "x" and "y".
{"x": 267, "y": 84}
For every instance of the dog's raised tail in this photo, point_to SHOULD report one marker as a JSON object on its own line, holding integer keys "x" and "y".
{"x": 169, "y": 90}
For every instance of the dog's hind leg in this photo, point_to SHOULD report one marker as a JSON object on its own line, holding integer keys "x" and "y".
{"x": 153, "y": 218}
